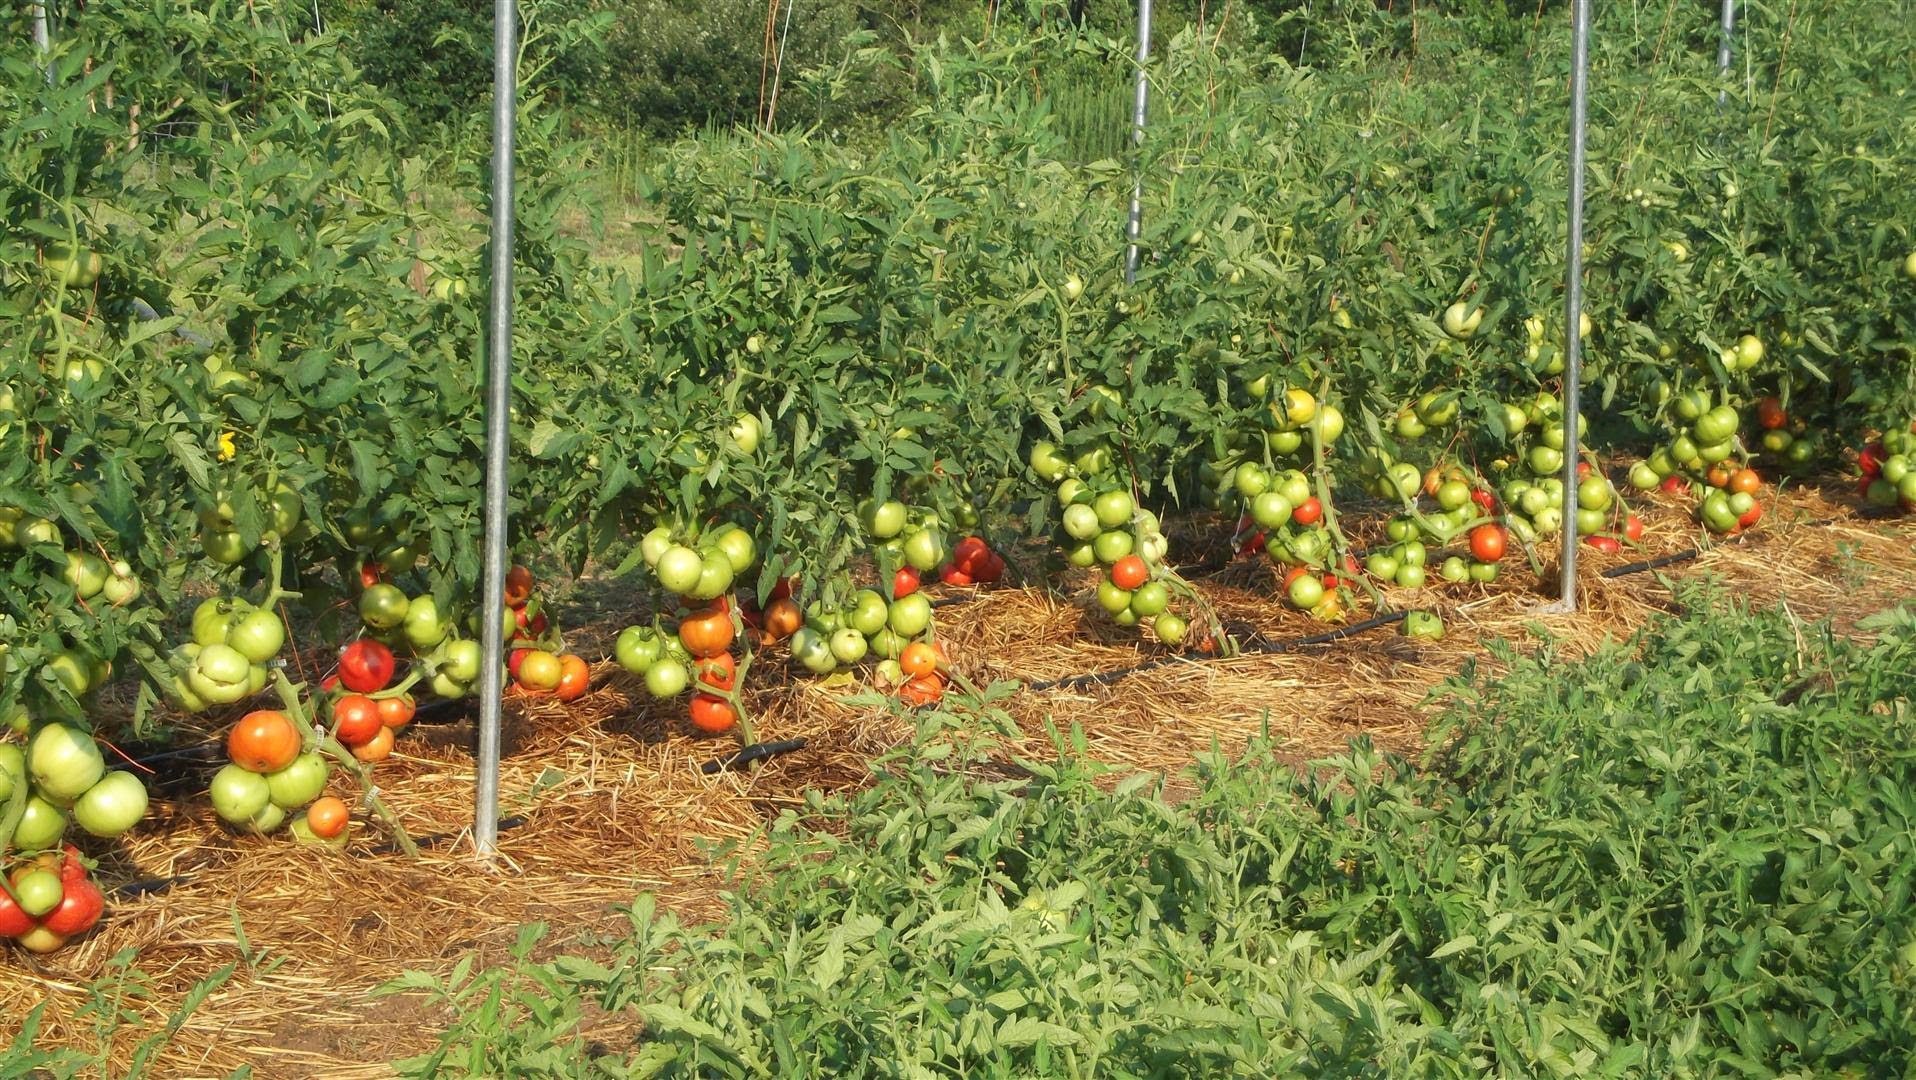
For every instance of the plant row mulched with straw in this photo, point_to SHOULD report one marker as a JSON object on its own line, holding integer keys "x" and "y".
{"x": 614, "y": 803}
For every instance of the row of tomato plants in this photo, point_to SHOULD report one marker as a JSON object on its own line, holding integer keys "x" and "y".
{"x": 833, "y": 362}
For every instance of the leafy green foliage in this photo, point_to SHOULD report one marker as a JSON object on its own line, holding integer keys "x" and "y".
{"x": 1687, "y": 854}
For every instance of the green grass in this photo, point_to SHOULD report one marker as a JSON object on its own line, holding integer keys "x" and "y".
{"x": 1687, "y": 855}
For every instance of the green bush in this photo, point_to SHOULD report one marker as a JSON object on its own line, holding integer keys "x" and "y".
{"x": 1687, "y": 855}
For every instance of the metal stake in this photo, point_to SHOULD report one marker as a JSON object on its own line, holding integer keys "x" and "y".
{"x": 1136, "y": 226}
{"x": 42, "y": 37}
{"x": 1723, "y": 50}
{"x": 505, "y": 45}
{"x": 1573, "y": 307}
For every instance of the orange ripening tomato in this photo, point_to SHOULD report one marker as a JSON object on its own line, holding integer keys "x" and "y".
{"x": 518, "y": 586}
{"x": 1129, "y": 572}
{"x": 708, "y": 633}
{"x": 397, "y": 712}
{"x": 918, "y": 659}
{"x": 377, "y": 748}
{"x": 1718, "y": 476}
{"x": 715, "y": 672}
{"x": 327, "y": 817}
{"x": 263, "y": 741}
{"x": 782, "y": 619}
{"x": 1487, "y": 543}
{"x": 712, "y": 715}
{"x": 355, "y": 719}
{"x": 922, "y": 689}
{"x": 1746, "y": 480}
{"x": 575, "y": 677}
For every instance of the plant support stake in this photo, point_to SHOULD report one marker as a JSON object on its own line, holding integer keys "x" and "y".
{"x": 505, "y": 51}
{"x": 1573, "y": 306}
{"x": 42, "y": 38}
{"x": 1723, "y": 51}
{"x": 1136, "y": 226}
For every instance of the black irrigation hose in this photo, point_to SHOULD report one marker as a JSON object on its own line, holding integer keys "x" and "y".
{"x": 750, "y": 754}
{"x": 158, "y": 885}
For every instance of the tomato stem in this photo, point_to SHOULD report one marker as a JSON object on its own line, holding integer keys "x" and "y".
{"x": 314, "y": 739}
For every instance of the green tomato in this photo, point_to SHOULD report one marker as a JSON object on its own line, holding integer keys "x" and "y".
{"x": 848, "y": 645}
{"x": 13, "y": 770}
{"x": 1424, "y": 625}
{"x": 1080, "y": 522}
{"x": 239, "y": 795}
{"x": 1271, "y": 510}
{"x": 715, "y": 577}
{"x": 1452, "y": 494}
{"x": 220, "y": 674}
{"x": 1454, "y": 569}
{"x": 41, "y": 826}
{"x": 637, "y": 649}
{"x": 1111, "y": 598}
{"x": 1410, "y": 577}
{"x": 1716, "y": 426}
{"x": 1306, "y": 592}
{"x": 1047, "y": 462}
{"x": 1643, "y": 477}
{"x": 1111, "y": 546}
{"x": 1073, "y": 491}
{"x": 814, "y": 651}
{"x": 910, "y": 615}
{"x": 1544, "y": 460}
{"x": 460, "y": 658}
{"x": 112, "y": 806}
{"x": 37, "y": 890}
{"x": 1400, "y": 529}
{"x": 299, "y": 783}
{"x": 680, "y": 569}
{"x": 1114, "y": 509}
{"x": 1295, "y": 487}
{"x": 869, "y": 612}
{"x": 226, "y": 547}
{"x": 882, "y": 521}
{"x": 740, "y": 550}
{"x": 1250, "y": 481}
{"x": 1381, "y": 566}
{"x": 1170, "y": 629}
{"x": 1595, "y": 493}
{"x": 667, "y": 678}
{"x": 889, "y": 644}
{"x": 1083, "y": 556}
{"x": 86, "y": 572}
{"x": 1590, "y": 521}
{"x": 1483, "y": 573}
{"x": 1284, "y": 442}
{"x": 63, "y": 762}
{"x": 382, "y": 607}
{"x": 259, "y": 635}
{"x": 424, "y": 628}
{"x": 1150, "y": 598}
{"x": 925, "y": 550}
{"x": 269, "y": 819}
{"x": 745, "y": 433}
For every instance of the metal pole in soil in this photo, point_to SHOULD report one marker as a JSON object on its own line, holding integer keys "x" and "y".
{"x": 1136, "y": 225}
{"x": 505, "y": 38}
{"x": 42, "y": 37}
{"x": 1723, "y": 51}
{"x": 1573, "y": 307}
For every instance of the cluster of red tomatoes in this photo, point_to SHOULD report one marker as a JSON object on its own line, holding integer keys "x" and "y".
{"x": 1889, "y": 470}
{"x": 50, "y": 900}
{"x": 274, "y": 772}
{"x": 973, "y": 563}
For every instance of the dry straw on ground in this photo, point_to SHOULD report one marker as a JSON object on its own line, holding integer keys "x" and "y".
{"x": 614, "y": 803}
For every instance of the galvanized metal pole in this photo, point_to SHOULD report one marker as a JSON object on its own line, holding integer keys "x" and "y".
{"x": 42, "y": 38}
{"x": 1136, "y": 226}
{"x": 1723, "y": 50}
{"x": 1573, "y": 306}
{"x": 505, "y": 46}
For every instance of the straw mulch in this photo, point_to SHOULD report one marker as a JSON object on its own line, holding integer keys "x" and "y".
{"x": 614, "y": 803}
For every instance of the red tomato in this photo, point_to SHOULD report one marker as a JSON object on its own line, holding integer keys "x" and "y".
{"x": 952, "y": 575}
{"x": 575, "y": 677}
{"x": 715, "y": 672}
{"x": 1672, "y": 484}
{"x": 1254, "y": 544}
{"x": 1129, "y": 572}
{"x": 1308, "y": 512}
{"x": 1487, "y": 543}
{"x": 1485, "y": 500}
{"x": 991, "y": 569}
{"x": 712, "y": 714}
{"x": 708, "y": 633}
{"x": 14, "y": 920}
{"x": 1583, "y": 469}
{"x": 782, "y": 590}
{"x": 513, "y": 659}
{"x": 968, "y": 553}
{"x": 904, "y": 583}
{"x": 1770, "y": 414}
{"x": 1871, "y": 460}
{"x": 366, "y": 666}
{"x": 1633, "y": 529}
{"x": 1750, "y": 517}
{"x": 81, "y": 906}
{"x": 356, "y": 720}
{"x": 370, "y": 574}
{"x": 330, "y": 683}
{"x": 1603, "y": 543}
